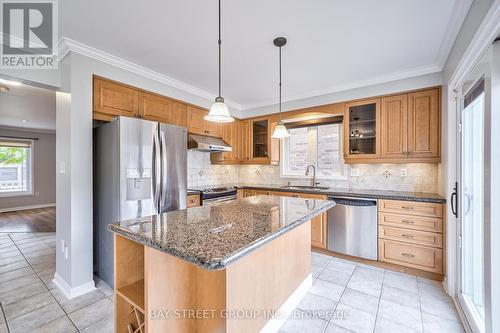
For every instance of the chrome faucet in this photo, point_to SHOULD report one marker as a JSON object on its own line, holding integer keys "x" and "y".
{"x": 313, "y": 180}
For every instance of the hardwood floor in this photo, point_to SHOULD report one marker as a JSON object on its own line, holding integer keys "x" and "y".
{"x": 35, "y": 220}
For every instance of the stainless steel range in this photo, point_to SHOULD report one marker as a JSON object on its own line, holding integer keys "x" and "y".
{"x": 218, "y": 194}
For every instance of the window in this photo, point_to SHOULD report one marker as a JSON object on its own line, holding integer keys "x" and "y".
{"x": 15, "y": 167}
{"x": 320, "y": 145}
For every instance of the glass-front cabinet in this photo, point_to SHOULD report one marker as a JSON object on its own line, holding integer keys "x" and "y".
{"x": 362, "y": 130}
{"x": 260, "y": 139}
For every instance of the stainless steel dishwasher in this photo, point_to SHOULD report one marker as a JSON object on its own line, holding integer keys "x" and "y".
{"x": 352, "y": 227}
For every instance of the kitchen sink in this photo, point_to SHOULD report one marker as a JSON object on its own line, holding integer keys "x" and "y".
{"x": 304, "y": 187}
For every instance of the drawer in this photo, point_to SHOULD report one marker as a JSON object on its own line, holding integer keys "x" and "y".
{"x": 411, "y": 208}
{"x": 411, "y": 236}
{"x": 414, "y": 256}
{"x": 193, "y": 200}
{"x": 411, "y": 222}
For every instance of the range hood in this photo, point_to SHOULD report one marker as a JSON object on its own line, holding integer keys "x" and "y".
{"x": 207, "y": 143}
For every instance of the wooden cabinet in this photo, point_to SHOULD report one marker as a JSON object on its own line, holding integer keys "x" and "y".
{"x": 394, "y": 124}
{"x": 411, "y": 234}
{"x": 362, "y": 130}
{"x": 407, "y": 128}
{"x": 244, "y": 141}
{"x": 260, "y": 137}
{"x": 229, "y": 133}
{"x": 424, "y": 123}
{"x": 113, "y": 99}
{"x": 318, "y": 224}
{"x": 411, "y": 127}
{"x": 155, "y": 108}
{"x": 198, "y": 125}
{"x": 193, "y": 200}
{"x": 179, "y": 114}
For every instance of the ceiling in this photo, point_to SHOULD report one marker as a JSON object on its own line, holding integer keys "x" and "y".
{"x": 333, "y": 45}
{"x": 36, "y": 106}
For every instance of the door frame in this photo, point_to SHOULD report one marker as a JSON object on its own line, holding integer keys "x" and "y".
{"x": 485, "y": 34}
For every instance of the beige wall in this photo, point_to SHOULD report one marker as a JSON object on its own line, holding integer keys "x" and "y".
{"x": 44, "y": 170}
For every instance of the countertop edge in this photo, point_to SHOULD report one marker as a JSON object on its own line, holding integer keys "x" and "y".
{"x": 347, "y": 194}
{"x": 222, "y": 263}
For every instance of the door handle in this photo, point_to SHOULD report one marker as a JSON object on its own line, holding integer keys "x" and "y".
{"x": 454, "y": 200}
{"x": 156, "y": 171}
{"x": 164, "y": 171}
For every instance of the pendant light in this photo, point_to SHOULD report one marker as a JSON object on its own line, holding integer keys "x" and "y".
{"x": 280, "y": 130}
{"x": 219, "y": 112}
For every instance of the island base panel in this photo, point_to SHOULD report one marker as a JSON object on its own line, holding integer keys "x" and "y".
{"x": 259, "y": 282}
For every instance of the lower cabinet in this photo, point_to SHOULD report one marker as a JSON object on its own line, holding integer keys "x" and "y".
{"x": 193, "y": 200}
{"x": 318, "y": 224}
{"x": 410, "y": 234}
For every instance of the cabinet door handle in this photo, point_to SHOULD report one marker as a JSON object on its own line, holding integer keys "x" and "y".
{"x": 407, "y": 236}
{"x": 408, "y": 255}
{"x": 410, "y": 153}
{"x": 405, "y": 154}
{"x": 408, "y": 221}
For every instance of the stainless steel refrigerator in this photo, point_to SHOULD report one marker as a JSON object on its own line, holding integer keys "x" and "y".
{"x": 140, "y": 169}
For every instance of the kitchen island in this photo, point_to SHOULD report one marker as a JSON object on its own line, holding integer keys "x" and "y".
{"x": 237, "y": 266}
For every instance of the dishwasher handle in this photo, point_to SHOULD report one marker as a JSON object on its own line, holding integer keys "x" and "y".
{"x": 353, "y": 202}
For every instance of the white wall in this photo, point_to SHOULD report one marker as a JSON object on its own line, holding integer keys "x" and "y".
{"x": 44, "y": 170}
{"x": 417, "y": 82}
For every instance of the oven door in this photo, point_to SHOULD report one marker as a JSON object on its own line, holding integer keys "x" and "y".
{"x": 219, "y": 199}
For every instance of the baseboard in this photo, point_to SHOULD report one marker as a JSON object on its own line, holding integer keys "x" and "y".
{"x": 15, "y": 209}
{"x": 275, "y": 323}
{"x": 70, "y": 292}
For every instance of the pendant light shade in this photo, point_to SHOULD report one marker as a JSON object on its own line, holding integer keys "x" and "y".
{"x": 219, "y": 113}
{"x": 280, "y": 130}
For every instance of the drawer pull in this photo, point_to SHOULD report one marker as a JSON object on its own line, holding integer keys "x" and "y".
{"x": 408, "y": 221}
{"x": 408, "y": 255}
{"x": 407, "y": 236}
{"x": 295, "y": 195}
{"x": 407, "y": 207}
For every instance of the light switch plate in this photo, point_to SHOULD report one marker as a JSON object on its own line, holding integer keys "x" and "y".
{"x": 62, "y": 168}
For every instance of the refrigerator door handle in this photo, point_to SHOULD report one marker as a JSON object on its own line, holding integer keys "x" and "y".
{"x": 156, "y": 171}
{"x": 164, "y": 171}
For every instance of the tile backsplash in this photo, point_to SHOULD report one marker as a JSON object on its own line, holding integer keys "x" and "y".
{"x": 420, "y": 177}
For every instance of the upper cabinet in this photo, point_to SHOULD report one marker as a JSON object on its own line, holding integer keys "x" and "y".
{"x": 362, "y": 129}
{"x": 260, "y": 137}
{"x": 113, "y": 99}
{"x": 424, "y": 123}
{"x": 198, "y": 125}
{"x": 406, "y": 129}
{"x": 157, "y": 108}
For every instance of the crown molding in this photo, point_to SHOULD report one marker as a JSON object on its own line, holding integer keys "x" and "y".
{"x": 458, "y": 14}
{"x": 486, "y": 33}
{"x": 67, "y": 45}
{"x": 27, "y": 129}
{"x": 418, "y": 71}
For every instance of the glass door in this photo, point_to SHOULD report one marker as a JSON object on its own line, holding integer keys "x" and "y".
{"x": 471, "y": 199}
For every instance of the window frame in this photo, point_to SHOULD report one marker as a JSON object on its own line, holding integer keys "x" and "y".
{"x": 31, "y": 169}
{"x": 284, "y": 160}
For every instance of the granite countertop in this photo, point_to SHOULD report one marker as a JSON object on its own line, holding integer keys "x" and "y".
{"x": 360, "y": 193}
{"x": 216, "y": 235}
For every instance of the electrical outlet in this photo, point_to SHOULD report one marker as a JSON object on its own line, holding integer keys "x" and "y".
{"x": 354, "y": 173}
{"x": 403, "y": 172}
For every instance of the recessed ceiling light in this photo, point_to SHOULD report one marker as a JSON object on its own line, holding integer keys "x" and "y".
{"x": 10, "y": 83}
{"x": 24, "y": 121}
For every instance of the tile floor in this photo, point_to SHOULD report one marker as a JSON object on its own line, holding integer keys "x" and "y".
{"x": 29, "y": 300}
{"x": 345, "y": 297}
{"x": 350, "y": 297}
